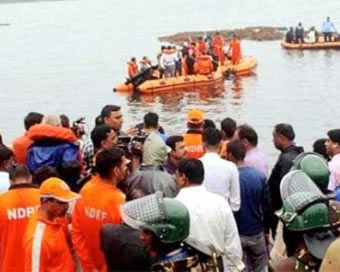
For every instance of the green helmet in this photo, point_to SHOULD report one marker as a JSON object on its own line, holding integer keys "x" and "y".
{"x": 315, "y": 166}
{"x": 167, "y": 218}
{"x": 305, "y": 211}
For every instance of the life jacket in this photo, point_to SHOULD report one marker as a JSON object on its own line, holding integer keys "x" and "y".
{"x": 236, "y": 51}
{"x": 202, "y": 48}
{"x": 204, "y": 65}
{"x": 132, "y": 68}
{"x": 194, "y": 144}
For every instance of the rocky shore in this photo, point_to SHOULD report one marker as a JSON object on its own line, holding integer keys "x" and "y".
{"x": 260, "y": 33}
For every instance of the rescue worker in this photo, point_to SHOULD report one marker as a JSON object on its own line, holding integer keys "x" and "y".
{"x": 16, "y": 207}
{"x": 235, "y": 48}
{"x": 204, "y": 65}
{"x": 98, "y": 206}
{"x": 202, "y": 47}
{"x": 47, "y": 244}
{"x": 132, "y": 67}
{"x": 164, "y": 223}
{"x": 218, "y": 43}
{"x": 193, "y": 138}
{"x": 145, "y": 64}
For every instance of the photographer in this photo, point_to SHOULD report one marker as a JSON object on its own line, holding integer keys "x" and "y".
{"x": 151, "y": 177}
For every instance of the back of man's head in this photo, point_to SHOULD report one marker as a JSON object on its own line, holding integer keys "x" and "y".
{"x": 32, "y": 118}
{"x": 99, "y": 134}
{"x": 107, "y": 160}
{"x": 65, "y": 121}
{"x": 107, "y": 109}
{"x": 285, "y": 130}
{"x": 151, "y": 120}
{"x": 228, "y": 126}
{"x": 212, "y": 137}
{"x": 19, "y": 173}
{"x": 237, "y": 149}
{"x": 5, "y": 155}
{"x": 43, "y": 173}
{"x": 246, "y": 132}
{"x": 193, "y": 169}
{"x": 53, "y": 120}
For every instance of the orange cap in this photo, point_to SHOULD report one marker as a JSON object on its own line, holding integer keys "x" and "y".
{"x": 58, "y": 189}
{"x": 195, "y": 116}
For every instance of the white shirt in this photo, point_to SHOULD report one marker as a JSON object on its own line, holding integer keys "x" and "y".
{"x": 4, "y": 182}
{"x": 221, "y": 177}
{"x": 334, "y": 168}
{"x": 212, "y": 222}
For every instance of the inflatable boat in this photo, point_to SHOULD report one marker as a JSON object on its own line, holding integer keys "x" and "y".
{"x": 245, "y": 67}
{"x": 317, "y": 45}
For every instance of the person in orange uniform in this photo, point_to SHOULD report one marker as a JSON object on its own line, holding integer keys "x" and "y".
{"x": 235, "y": 48}
{"x": 16, "y": 207}
{"x": 99, "y": 205}
{"x": 47, "y": 243}
{"x": 193, "y": 138}
{"x": 218, "y": 43}
{"x": 202, "y": 47}
{"x": 204, "y": 65}
{"x": 132, "y": 67}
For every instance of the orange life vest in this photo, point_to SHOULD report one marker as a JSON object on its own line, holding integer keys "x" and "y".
{"x": 132, "y": 68}
{"x": 235, "y": 46}
{"x": 202, "y": 48}
{"x": 203, "y": 65}
{"x": 194, "y": 144}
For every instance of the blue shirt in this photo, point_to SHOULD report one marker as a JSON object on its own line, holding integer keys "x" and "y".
{"x": 328, "y": 27}
{"x": 249, "y": 218}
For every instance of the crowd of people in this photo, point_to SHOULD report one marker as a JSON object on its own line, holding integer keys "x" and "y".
{"x": 200, "y": 57}
{"x": 141, "y": 200}
{"x": 312, "y": 36}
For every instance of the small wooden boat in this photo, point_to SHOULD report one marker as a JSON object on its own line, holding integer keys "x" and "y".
{"x": 317, "y": 45}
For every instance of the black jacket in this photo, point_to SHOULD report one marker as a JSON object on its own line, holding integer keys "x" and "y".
{"x": 281, "y": 168}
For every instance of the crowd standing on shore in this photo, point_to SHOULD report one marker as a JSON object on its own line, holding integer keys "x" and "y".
{"x": 139, "y": 200}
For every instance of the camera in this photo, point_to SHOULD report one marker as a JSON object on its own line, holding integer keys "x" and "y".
{"x": 78, "y": 127}
{"x": 131, "y": 145}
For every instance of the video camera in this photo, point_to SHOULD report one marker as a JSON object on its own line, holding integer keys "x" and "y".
{"x": 78, "y": 126}
{"x": 131, "y": 144}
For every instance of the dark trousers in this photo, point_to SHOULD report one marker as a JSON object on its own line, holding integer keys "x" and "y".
{"x": 327, "y": 36}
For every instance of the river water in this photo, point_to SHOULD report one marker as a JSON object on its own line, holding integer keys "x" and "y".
{"x": 66, "y": 56}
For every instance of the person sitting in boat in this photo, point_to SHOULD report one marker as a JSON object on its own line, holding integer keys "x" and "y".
{"x": 145, "y": 63}
{"x": 327, "y": 29}
{"x": 299, "y": 33}
{"x": 235, "y": 49}
{"x": 218, "y": 43}
{"x": 204, "y": 65}
{"x": 168, "y": 62}
{"x": 132, "y": 67}
{"x": 312, "y": 36}
{"x": 290, "y": 35}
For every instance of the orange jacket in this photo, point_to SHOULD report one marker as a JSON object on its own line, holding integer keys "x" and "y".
{"x": 203, "y": 65}
{"x": 46, "y": 246}
{"x": 98, "y": 205}
{"x": 194, "y": 144}
{"x": 235, "y": 46}
{"x": 218, "y": 43}
{"x": 202, "y": 47}
{"x": 16, "y": 206}
{"x": 20, "y": 146}
{"x": 41, "y": 131}
{"x": 132, "y": 68}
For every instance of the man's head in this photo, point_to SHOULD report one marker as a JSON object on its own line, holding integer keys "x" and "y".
{"x": 19, "y": 174}
{"x": 189, "y": 172}
{"x": 112, "y": 116}
{"x": 43, "y": 173}
{"x": 151, "y": 120}
{"x": 212, "y": 138}
{"x": 104, "y": 137}
{"x": 236, "y": 151}
{"x": 228, "y": 126}
{"x": 178, "y": 150}
{"x": 248, "y": 136}
{"x": 65, "y": 121}
{"x": 53, "y": 120}
{"x": 111, "y": 165}
{"x": 328, "y": 18}
{"x": 283, "y": 136}
{"x": 195, "y": 119}
{"x": 133, "y": 59}
{"x": 332, "y": 143}
{"x": 6, "y": 158}
{"x": 32, "y": 118}
{"x": 55, "y": 196}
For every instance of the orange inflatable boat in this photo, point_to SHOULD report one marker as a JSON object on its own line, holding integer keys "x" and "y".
{"x": 317, "y": 45}
{"x": 244, "y": 67}
{"x": 175, "y": 83}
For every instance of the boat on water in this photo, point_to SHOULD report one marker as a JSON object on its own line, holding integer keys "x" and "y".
{"x": 215, "y": 79}
{"x": 317, "y": 45}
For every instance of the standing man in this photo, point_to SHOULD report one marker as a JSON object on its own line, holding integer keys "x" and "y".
{"x": 16, "y": 207}
{"x": 47, "y": 244}
{"x": 177, "y": 153}
{"x": 328, "y": 28}
{"x": 221, "y": 176}
{"x": 218, "y": 43}
{"x": 99, "y": 205}
{"x": 283, "y": 138}
{"x": 254, "y": 217}
{"x": 235, "y": 48}
{"x": 211, "y": 219}
{"x": 332, "y": 145}
{"x": 254, "y": 157}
